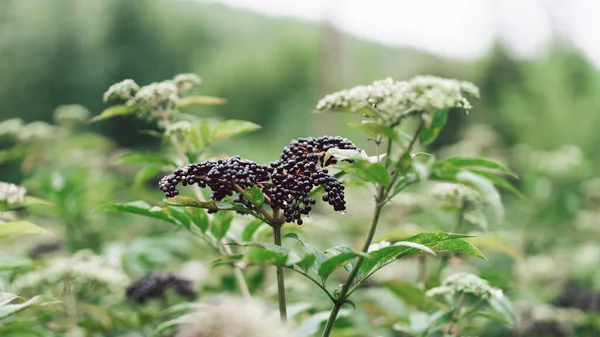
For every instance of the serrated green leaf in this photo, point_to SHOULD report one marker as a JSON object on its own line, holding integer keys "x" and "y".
{"x": 227, "y": 260}
{"x": 388, "y": 254}
{"x": 11, "y": 309}
{"x": 220, "y": 224}
{"x": 21, "y": 227}
{"x": 373, "y": 129}
{"x": 344, "y": 154}
{"x": 485, "y": 187}
{"x": 115, "y": 110}
{"x": 503, "y": 306}
{"x": 498, "y": 181}
{"x": 306, "y": 262}
{"x": 180, "y": 215}
{"x": 369, "y": 172}
{"x": 145, "y": 158}
{"x": 141, "y": 208}
{"x": 255, "y": 195}
{"x": 250, "y": 229}
{"x": 198, "y": 217}
{"x": 210, "y": 204}
{"x": 199, "y": 100}
{"x": 331, "y": 264}
{"x": 319, "y": 255}
{"x": 233, "y": 127}
{"x": 477, "y": 163}
{"x": 458, "y": 246}
{"x": 343, "y": 249}
{"x": 433, "y": 127}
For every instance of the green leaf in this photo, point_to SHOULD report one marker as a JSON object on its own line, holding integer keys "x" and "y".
{"x": 477, "y": 163}
{"x": 21, "y": 227}
{"x": 319, "y": 255}
{"x": 343, "y": 154}
{"x": 343, "y": 249}
{"x": 374, "y": 129}
{"x": 113, "y": 111}
{"x": 254, "y": 195}
{"x": 140, "y": 208}
{"x": 498, "y": 181}
{"x": 267, "y": 253}
{"x": 233, "y": 127}
{"x": 307, "y": 261}
{"x": 180, "y": 215}
{"x": 207, "y": 132}
{"x": 458, "y": 246}
{"x": 199, "y": 217}
{"x": 220, "y": 224}
{"x": 409, "y": 292}
{"x": 250, "y": 229}
{"x": 388, "y": 254}
{"x": 146, "y": 173}
{"x": 367, "y": 171}
{"x": 199, "y": 100}
{"x": 432, "y": 129}
{"x": 11, "y": 309}
{"x": 503, "y": 306}
{"x": 145, "y": 158}
{"x": 485, "y": 187}
{"x": 30, "y": 201}
{"x": 227, "y": 260}
{"x": 333, "y": 263}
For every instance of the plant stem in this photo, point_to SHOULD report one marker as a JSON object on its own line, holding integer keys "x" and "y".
{"x": 459, "y": 222}
{"x": 341, "y": 299}
{"x": 280, "y": 279}
{"x": 455, "y": 315}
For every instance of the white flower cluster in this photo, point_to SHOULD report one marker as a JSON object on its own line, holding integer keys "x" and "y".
{"x": 154, "y": 94}
{"x": 457, "y": 194}
{"x": 186, "y": 82}
{"x": 73, "y": 112}
{"x": 232, "y": 317}
{"x": 465, "y": 283}
{"x": 11, "y": 193}
{"x": 179, "y": 128}
{"x": 543, "y": 313}
{"x": 36, "y": 131}
{"x": 377, "y": 246}
{"x": 77, "y": 270}
{"x": 122, "y": 90}
{"x": 11, "y": 126}
{"x": 556, "y": 162}
{"x": 394, "y": 100}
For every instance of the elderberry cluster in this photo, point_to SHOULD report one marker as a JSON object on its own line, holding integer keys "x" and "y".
{"x": 155, "y": 285}
{"x": 286, "y": 183}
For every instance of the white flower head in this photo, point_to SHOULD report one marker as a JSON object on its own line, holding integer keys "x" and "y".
{"x": 12, "y": 194}
{"x": 377, "y": 246}
{"x": 186, "y": 82}
{"x": 122, "y": 90}
{"x": 180, "y": 127}
{"x": 155, "y": 94}
{"x": 394, "y": 100}
{"x": 232, "y": 317}
{"x": 71, "y": 113}
{"x": 465, "y": 283}
{"x": 37, "y": 131}
{"x": 11, "y": 126}
{"x": 457, "y": 194}
{"x": 79, "y": 269}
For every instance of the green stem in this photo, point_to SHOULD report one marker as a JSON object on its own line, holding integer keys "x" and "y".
{"x": 313, "y": 281}
{"x": 280, "y": 279}
{"x": 341, "y": 299}
{"x": 454, "y": 315}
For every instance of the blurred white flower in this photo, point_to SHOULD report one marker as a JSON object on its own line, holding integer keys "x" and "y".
{"x": 37, "y": 131}
{"x": 11, "y": 126}
{"x": 155, "y": 94}
{"x": 77, "y": 270}
{"x": 232, "y": 317}
{"x": 186, "y": 82}
{"x": 556, "y": 162}
{"x": 377, "y": 246}
{"x": 543, "y": 312}
{"x": 122, "y": 90}
{"x": 465, "y": 283}
{"x": 457, "y": 194}
{"x": 72, "y": 112}
{"x": 11, "y": 193}
{"x": 179, "y": 128}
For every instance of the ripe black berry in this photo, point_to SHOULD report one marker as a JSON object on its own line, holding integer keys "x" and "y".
{"x": 155, "y": 286}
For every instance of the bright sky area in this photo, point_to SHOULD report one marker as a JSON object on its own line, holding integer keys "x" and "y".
{"x": 455, "y": 28}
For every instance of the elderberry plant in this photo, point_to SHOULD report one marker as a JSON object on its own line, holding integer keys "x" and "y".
{"x": 399, "y": 117}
